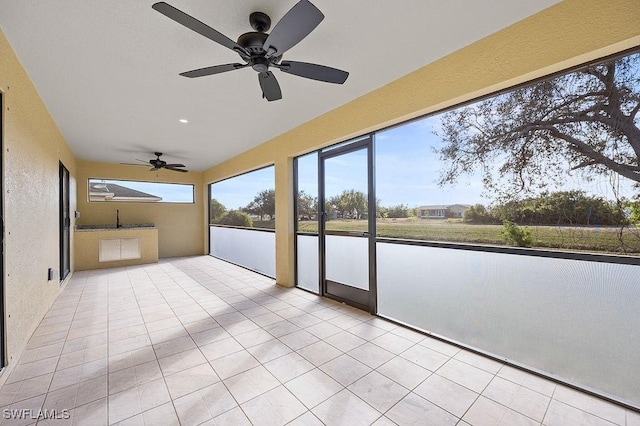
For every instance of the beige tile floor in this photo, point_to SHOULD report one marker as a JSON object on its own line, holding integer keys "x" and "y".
{"x": 199, "y": 341}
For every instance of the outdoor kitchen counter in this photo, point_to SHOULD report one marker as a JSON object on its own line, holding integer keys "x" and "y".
{"x": 106, "y": 246}
{"x": 91, "y": 228}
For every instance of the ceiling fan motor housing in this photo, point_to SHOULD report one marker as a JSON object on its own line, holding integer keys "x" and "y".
{"x": 157, "y": 162}
{"x": 253, "y": 42}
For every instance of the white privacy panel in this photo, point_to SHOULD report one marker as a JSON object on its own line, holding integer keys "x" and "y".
{"x": 577, "y": 320}
{"x": 308, "y": 269}
{"x": 255, "y": 250}
{"x": 347, "y": 260}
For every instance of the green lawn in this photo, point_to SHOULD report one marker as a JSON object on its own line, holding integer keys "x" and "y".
{"x": 602, "y": 240}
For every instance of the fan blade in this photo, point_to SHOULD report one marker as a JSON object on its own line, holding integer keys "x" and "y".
{"x": 295, "y": 25}
{"x": 314, "y": 71}
{"x": 217, "y": 69}
{"x": 174, "y": 165}
{"x": 135, "y": 164}
{"x": 176, "y": 170}
{"x": 154, "y": 169}
{"x": 201, "y": 28}
{"x": 270, "y": 86}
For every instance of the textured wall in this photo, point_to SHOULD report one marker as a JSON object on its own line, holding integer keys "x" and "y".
{"x": 567, "y": 34}
{"x": 181, "y": 230}
{"x": 33, "y": 148}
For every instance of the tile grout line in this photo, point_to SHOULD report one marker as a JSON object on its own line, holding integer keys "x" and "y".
{"x": 191, "y": 337}
{"x": 251, "y": 290}
{"x": 157, "y": 360}
{"x": 222, "y": 380}
{"x": 154, "y": 350}
{"x": 65, "y": 342}
{"x": 281, "y": 383}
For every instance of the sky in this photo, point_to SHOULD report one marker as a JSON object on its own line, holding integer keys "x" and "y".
{"x": 236, "y": 192}
{"x": 405, "y": 174}
{"x": 408, "y": 168}
{"x": 170, "y": 192}
{"x": 407, "y": 171}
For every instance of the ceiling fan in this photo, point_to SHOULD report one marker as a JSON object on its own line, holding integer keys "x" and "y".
{"x": 262, "y": 51}
{"x": 157, "y": 164}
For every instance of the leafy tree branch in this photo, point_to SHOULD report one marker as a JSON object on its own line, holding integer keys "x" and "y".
{"x": 523, "y": 140}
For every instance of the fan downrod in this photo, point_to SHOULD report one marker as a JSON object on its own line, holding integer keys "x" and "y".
{"x": 253, "y": 41}
{"x": 260, "y": 21}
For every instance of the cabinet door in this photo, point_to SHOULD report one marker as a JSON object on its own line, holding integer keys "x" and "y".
{"x": 109, "y": 249}
{"x": 129, "y": 248}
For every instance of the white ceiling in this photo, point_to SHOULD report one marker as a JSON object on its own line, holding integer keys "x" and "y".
{"x": 107, "y": 70}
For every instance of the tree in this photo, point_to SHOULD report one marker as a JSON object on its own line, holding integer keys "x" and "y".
{"x": 216, "y": 211}
{"x": 307, "y": 206}
{"x": 399, "y": 211}
{"x": 381, "y": 211}
{"x": 236, "y": 218}
{"x": 337, "y": 205}
{"x": 522, "y": 140}
{"x": 561, "y": 208}
{"x": 634, "y": 209}
{"x": 351, "y": 204}
{"x": 264, "y": 204}
{"x": 480, "y": 215}
{"x": 515, "y": 235}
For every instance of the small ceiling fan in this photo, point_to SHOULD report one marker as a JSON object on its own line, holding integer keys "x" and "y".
{"x": 262, "y": 51}
{"x": 157, "y": 164}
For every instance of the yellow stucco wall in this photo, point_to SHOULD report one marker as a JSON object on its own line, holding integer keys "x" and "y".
{"x": 181, "y": 229}
{"x": 565, "y": 35}
{"x": 33, "y": 148}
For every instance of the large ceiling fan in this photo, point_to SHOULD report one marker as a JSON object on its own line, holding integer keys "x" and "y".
{"x": 157, "y": 164}
{"x": 262, "y": 51}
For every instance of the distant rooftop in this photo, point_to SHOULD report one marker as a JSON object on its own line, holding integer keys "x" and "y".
{"x": 443, "y": 206}
{"x": 114, "y": 192}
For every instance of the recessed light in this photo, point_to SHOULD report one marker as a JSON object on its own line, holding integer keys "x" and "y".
{"x": 182, "y": 120}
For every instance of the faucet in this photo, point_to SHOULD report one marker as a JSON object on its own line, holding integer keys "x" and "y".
{"x": 118, "y": 224}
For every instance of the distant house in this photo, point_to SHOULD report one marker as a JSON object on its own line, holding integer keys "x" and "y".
{"x": 101, "y": 191}
{"x": 442, "y": 210}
